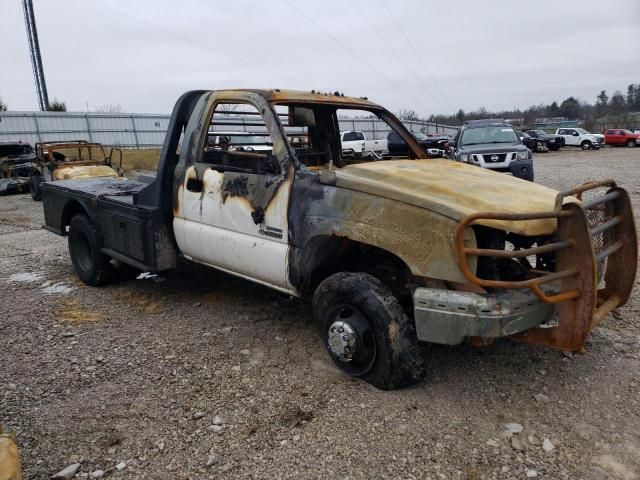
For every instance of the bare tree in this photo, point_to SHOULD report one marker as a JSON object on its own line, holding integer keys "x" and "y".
{"x": 3, "y": 106}
{"x": 109, "y": 108}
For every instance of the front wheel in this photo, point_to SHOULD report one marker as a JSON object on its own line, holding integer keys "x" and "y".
{"x": 586, "y": 145}
{"x": 92, "y": 266}
{"x": 366, "y": 332}
{"x": 34, "y": 187}
{"x": 631, "y": 143}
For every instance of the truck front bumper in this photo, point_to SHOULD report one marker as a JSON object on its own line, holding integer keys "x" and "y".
{"x": 448, "y": 316}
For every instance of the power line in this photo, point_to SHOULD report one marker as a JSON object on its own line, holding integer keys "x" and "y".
{"x": 415, "y": 51}
{"x": 393, "y": 51}
{"x": 353, "y": 52}
{"x": 199, "y": 44}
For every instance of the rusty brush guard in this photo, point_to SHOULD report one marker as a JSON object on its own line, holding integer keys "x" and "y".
{"x": 595, "y": 264}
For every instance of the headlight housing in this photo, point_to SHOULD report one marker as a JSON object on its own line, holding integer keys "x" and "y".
{"x": 523, "y": 155}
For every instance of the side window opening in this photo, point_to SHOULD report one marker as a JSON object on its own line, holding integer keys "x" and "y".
{"x": 238, "y": 140}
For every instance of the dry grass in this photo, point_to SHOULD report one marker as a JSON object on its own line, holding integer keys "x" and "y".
{"x": 139, "y": 159}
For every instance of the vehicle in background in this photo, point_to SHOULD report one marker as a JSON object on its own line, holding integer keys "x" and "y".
{"x": 355, "y": 144}
{"x": 390, "y": 252}
{"x": 239, "y": 141}
{"x": 434, "y": 146}
{"x": 71, "y": 160}
{"x": 493, "y": 144}
{"x": 554, "y": 142}
{"x": 579, "y": 137}
{"x": 618, "y": 136}
{"x": 16, "y": 164}
{"x": 533, "y": 144}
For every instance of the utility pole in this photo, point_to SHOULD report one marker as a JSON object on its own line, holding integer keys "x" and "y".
{"x": 36, "y": 60}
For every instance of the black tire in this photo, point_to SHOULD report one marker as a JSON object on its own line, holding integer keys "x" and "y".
{"x": 586, "y": 145}
{"x": 92, "y": 266}
{"x": 385, "y": 351}
{"x": 631, "y": 143}
{"x": 554, "y": 149}
{"x": 34, "y": 187}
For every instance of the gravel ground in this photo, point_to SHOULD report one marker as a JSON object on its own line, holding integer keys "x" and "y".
{"x": 197, "y": 374}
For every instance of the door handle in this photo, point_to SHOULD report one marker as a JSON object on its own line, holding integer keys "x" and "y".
{"x": 194, "y": 185}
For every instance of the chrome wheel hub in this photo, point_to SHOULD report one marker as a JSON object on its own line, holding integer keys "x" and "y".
{"x": 342, "y": 340}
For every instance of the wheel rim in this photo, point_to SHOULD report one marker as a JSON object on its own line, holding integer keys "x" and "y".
{"x": 586, "y": 146}
{"x": 350, "y": 340}
{"x": 83, "y": 252}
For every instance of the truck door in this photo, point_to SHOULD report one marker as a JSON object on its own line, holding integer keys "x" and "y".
{"x": 233, "y": 201}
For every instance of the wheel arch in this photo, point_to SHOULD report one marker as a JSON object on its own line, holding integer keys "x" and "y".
{"x": 323, "y": 255}
{"x": 71, "y": 208}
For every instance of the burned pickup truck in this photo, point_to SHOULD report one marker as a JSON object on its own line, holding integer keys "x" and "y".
{"x": 71, "y": 159}
{"x": 392, "y": 252}
{"x": 16, "y": 164}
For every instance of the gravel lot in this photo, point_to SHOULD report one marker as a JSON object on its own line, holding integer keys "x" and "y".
{"x": 197, "y": 374}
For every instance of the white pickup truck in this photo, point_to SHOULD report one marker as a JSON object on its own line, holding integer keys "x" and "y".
{"x": 355, "y": 143}
{"x": 579, "y": 137}
{"x": 389, "y": 253}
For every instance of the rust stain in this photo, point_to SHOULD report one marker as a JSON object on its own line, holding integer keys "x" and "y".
{"x": 144, "y": 303}
{"x": 70, "y": 310}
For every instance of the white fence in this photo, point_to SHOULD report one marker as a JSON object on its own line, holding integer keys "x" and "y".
{"x": 140, "y": 130}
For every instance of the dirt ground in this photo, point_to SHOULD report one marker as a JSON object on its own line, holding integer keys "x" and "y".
{"x": 196, "y": 374}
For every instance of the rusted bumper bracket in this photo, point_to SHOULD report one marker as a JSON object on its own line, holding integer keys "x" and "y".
{"x": 587, "y": 256}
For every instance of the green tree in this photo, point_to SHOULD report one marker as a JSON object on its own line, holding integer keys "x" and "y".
{"x": 617, "y": 102}
{"x": 602, "y": 98}
{"x": 460, "y": 116}
{"x": 553, "y": 110}
{"x": 570, "y": 108}
{"x": 57, "y": 106}
{"x": 631, "y": 96}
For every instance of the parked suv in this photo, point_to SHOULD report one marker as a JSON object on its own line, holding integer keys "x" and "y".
{"x": 493, "y": 144}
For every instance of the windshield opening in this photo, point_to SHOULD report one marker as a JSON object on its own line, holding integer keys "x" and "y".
{"x": 492, "y": 134}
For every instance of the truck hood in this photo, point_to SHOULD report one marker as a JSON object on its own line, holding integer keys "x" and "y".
{"x": 83, "y": 171}
{"x": 455, "y": 190}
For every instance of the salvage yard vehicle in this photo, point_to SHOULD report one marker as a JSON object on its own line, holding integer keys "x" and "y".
{"x": 434, "y": 146}
{"x": 16, "y": 163}
{"x": 392, "y": 252}
{"x": 356, "y": 144}
{"x": 493, "y": 144}
{"x": 239, "y": 141}
{"x": 579, "y": 137}
{"x": 554, "y": 142}
{"x": 618, "y": 136}
{"x": 533, "y": 144}
{"x": 71, "y": 159}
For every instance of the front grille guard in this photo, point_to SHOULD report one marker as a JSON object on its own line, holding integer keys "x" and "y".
{"x": 587, "y": 255}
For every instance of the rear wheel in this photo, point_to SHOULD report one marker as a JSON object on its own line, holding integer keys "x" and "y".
{"x": 92, "y": 266}
{"x": 34, "y": 187}
{"x": 586, "y": 145}
{"x": 366, "y": 332}
{"x": 631, "y": 143}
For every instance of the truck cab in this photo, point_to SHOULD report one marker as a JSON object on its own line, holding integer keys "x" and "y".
{"x": 391, "y": 253}
{"x": 618, "y": 136}
{"x": 579, "y": 137}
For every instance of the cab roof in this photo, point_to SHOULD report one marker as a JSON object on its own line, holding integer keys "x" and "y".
{"x": 298, "y": 96}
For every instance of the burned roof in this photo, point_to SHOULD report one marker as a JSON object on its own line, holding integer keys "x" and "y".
{"x": 314, "y": 96}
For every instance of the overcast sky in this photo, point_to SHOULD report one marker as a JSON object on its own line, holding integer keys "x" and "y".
{"x": 428, "y": 56}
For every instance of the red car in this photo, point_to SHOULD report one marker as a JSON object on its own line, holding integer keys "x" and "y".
{"x": 617, "y": 136}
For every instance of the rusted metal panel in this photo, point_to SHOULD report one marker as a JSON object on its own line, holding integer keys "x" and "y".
{"x": 9, "y": 458}
{"x": 454, "y": 190}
